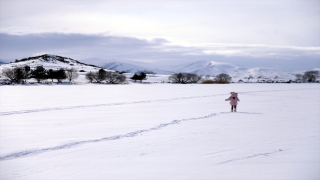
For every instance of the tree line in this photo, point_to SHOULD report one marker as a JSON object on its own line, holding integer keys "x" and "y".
{"x": 223, "y": 78}
{"x": 186, "y": 78}
{"x": 307, "y": 77}
{"x": 103, "y": 76}
{"x": 21, "y": 74}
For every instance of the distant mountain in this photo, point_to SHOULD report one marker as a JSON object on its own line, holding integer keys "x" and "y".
{"x": 119, "y": 66}
{"x": 213, "y": 68}
{"x": 1, "y": 62}
{"x": 190, "y": 67}
{"x": 207, "y": 68}
{"x": 131, "y": 68}
{"x": 96, "y": 61}
{"x": 125, "y": 65}
{"x": 269, "y": 73}
{"x": 51, "y": 62}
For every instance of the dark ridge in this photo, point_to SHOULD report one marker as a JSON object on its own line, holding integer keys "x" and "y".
{"x": 46, "y": 57}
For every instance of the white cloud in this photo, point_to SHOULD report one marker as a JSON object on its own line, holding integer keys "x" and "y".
{"x": 285, "y": 22}
{"x": 157, "y": 51}
{"x": 257, "y": 50}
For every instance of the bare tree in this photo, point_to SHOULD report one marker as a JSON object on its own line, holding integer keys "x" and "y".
{"x": 26, "y": 73}
{"x": 8, "y": 73}
{"x": 299, "y": 77}
{"x": 60, "y": 75}
{"x": 51, "y": 74}
{"x": 72, "y": 74}
{"x": 222, "y": 78}
{"x": 108, "y": 76}
{"x": 176, "y": 78}
{"x": 184, "y": 78}
{"x": 19, "y": 74}
{"x": 56, "y": 74}
{"x": 142, "y": 76}
{"x": 39, "y": 73}
{"x": 100, "y": 76}
{"x": 115, "y": 78}
{"x": 250, "y": 77}
{"x": 16, "y": 74}
{"x": 310, "y": 76}
{"x": 90, "y": 76}
{"x": 193, "y": 78}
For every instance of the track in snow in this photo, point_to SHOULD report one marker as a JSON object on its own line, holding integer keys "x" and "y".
{"x": 131, "y": 134}
{"x": 253, "y": 156}
{"x": 99, "y": 105}
{"x": 126, "y": 103}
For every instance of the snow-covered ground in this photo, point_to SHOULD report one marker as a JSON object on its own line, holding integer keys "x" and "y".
{"x": 160, "y": 131}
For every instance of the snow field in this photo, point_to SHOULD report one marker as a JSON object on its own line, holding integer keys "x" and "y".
{"x": 159, "y": 131}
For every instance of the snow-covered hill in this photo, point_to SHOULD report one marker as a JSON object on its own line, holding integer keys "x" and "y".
{"x": 51, "y": 62}
{"x": 269, "y": 73}
{"x": 119, "y": 66}
{"x": 95, "y": 61}
{"x": 127, "y": 66}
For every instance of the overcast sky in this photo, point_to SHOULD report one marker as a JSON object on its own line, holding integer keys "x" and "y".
{"x": 274, "y": 33}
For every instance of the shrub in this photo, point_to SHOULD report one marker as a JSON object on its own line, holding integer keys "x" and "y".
{"x": 221, "y": 82}
{"x": 207, "y": 82}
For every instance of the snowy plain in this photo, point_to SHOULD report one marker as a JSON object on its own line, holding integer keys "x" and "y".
{"x": 160, "y": 131}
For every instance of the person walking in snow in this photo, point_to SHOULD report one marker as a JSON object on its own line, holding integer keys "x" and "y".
{"x": 233, "y": 101}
